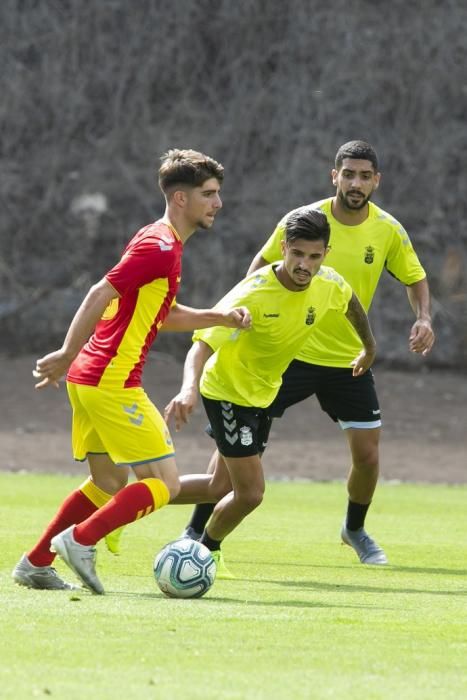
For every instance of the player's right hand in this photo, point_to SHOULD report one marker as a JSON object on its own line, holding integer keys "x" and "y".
{"x": 181, "y": 407}
{"x": 50, "y": 368}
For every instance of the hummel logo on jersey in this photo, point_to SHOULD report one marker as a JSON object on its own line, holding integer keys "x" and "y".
{"x": 165, "y": 246}
{"x": 271, "y": 315}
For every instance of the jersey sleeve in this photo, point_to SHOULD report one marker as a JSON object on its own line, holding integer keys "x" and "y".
{"x": 342, "y": 294}
{"x": 240, "y": 295}
{"x": 214, "y": 337}
{"x": 271, "y": 250}
{"x": 140, "y": 265}
{"x": 339, "y": 292}
{"x": 402, "y": 261}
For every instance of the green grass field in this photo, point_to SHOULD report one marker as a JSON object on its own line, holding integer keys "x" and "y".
{"x": 303, "y": 620}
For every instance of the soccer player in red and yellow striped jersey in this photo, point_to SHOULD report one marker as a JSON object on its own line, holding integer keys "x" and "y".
{"x": 115, "y": 425}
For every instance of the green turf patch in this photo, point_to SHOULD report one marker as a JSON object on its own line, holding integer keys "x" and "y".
{"x": 304, "y": 619}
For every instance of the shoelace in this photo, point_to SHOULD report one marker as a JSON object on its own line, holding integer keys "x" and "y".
{"x": 371, "y": 544}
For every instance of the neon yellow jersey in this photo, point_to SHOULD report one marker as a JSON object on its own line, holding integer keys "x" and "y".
{"x": 247, "y": 366}
{"x": 360, "y": 254}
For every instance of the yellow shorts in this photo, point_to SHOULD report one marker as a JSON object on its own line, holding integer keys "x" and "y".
{"x": 122, "y": 423}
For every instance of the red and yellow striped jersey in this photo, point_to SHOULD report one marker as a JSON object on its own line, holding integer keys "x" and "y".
{"x": 147, "y": 279}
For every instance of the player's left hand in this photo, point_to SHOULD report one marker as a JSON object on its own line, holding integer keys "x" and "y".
{"x": 50, "y": 368}
{"x": 362, "y": 362}
{"x": 421, "y": 337}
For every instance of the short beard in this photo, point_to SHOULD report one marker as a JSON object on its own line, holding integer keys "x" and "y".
{"x": 353, "y": 207}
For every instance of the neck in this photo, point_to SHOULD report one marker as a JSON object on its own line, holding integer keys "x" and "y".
{"x": 348, "y": 217}
{"x": 178, "y": 222}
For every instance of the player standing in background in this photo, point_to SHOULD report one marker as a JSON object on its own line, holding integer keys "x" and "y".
{"x": 115, "y": 425}
{"x": 364, "y": 241}
{"x": 288, "y": 302}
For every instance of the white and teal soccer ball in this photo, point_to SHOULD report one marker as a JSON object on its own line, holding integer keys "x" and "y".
{"x": 184, "y": 569}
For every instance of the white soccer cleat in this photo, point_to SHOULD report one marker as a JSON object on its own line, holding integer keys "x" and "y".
{"x": 368, "y": 551}
{"x": 40, "y": 577}
{"x": 79, "y": 557}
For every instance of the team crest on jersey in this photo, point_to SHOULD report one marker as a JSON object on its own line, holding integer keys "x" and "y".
{"x": 110, "y": 310}
{"x": 310, "y": 316}
{"x": 246, "y": 437}
{"x": 369, "y": 254}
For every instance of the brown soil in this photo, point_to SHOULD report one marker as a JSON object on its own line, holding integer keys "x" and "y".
{"x": 424, "y": 414}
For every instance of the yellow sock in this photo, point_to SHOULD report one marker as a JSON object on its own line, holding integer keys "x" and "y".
{"x": 94, "y": 493}
{"x": 100, "y": 498}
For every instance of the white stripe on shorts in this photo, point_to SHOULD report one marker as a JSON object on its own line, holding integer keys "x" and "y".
{"x": 360, "y": 425}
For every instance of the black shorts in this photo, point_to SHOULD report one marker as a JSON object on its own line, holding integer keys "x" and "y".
{"x": 352, "y": 401}
{"x": 239, "y": 431}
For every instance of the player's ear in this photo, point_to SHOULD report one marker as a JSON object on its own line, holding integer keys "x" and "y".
{"x": 334, "y": 176}
{"x": 283, "y": 247}
{"x": 377, "y": 180}
{"x": 179, "y": 197}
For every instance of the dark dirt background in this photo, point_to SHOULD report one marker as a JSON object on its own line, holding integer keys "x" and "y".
{"x": 424, "y": 438}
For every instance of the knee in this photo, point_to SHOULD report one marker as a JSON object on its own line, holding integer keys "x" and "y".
{"x": 111, "y": 483}
{"x": 365, "y": 454}
{"x": 217, "y": 489}
{"x": 369, "y": 458}
{"x": 251, "y": 499}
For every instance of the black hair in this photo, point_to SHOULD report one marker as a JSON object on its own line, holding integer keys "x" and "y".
{"x": 359, "y": 150}
{"x": 309, "y": 224}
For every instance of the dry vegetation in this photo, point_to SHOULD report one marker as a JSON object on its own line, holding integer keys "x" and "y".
{"x": 94, "y": 91}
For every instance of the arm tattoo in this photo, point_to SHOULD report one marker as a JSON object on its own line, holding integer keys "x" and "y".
{"x": 359, "y": 320}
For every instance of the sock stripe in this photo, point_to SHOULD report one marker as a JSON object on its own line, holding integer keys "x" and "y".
{"x": 160, "y": 492}
{"x": 142, "y": 513}
{"x": 96, "y": 495}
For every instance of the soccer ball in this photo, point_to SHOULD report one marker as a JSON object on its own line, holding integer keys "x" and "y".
{"x": 184, "y": 569}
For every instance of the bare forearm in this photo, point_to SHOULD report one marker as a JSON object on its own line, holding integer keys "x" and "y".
{"x": 50, "y": 368}
{"x": 421, "y": 336}
{"x": 419, "y": 299}
{"x": 87, "y": 316}
{"x": 194, "y": 363}
{"x": 185, "y": 318}
{"x": 257, "y": 262}
{"x": 182, "y": 405}
{"x": 359, "y": 320}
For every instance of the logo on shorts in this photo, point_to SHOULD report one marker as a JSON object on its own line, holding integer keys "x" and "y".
{"x": 310, "y": 316}
{"x": 369, "y": 254}
{"x": 135, "y": 418}
{"x": 230, "y": 424}
{"x": 246, "y": 438}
